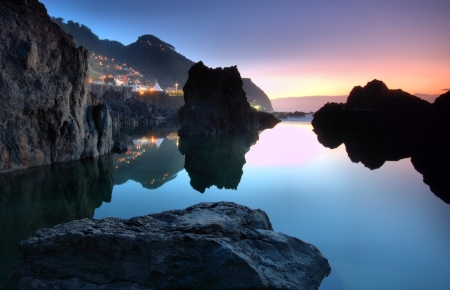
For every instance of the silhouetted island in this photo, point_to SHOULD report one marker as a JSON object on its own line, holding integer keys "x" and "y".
{"x": 215, "y": 103}
{"x": 378, "y": 125}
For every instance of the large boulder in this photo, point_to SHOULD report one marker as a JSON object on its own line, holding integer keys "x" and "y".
{"x": 47, "y": 114}
{"x": 215, "y": 103}
{"x": 206, "y": 246}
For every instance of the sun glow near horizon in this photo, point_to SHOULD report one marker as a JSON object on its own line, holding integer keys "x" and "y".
{"x": 321, "y": 79}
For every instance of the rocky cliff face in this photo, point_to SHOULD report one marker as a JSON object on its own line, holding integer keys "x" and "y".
{"x": 206, "y": 246}
{"x": 47, "y": 115}
{"x": 215, "y": 104}
{"x": 255, "y": 93}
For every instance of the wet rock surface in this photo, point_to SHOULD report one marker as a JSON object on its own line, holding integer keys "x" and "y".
{"x": 206, "y": 246}
{"x": 47, "y": 115}
{"x": 215, "y": 103}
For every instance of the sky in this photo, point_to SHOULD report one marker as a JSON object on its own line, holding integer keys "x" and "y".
{"x": 290, "y": 48}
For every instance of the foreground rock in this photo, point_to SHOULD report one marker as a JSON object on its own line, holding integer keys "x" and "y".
{"x": 215, "y": 104}
{"x": 378, "y": 125}
{"x": 46, "y": 113}
{"x": 207, "y": 246}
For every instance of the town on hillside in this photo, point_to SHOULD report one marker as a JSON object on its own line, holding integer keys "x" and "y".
{"x": 106, "y": 71}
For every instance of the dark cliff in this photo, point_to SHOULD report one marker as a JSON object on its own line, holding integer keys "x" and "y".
{"x": 47, "y": 115}
{"x": 255, "y": 93}
{"x": 215, "y": 104}
{"x": 149, "y": 55}
{"x": 378, "y": 125}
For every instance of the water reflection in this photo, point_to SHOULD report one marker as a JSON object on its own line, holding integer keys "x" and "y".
{"x": 151, "y": 160}
{"x": 216, "y": 160}
{"x": 45, "y": 196}
{"x": 371, "y": 143}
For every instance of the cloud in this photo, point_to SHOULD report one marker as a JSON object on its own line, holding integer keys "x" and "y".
{"x": 446, "y": 89}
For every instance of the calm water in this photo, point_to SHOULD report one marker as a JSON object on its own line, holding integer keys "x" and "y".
{"x": 380, "y": 229}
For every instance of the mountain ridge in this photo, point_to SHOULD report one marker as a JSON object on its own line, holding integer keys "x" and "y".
{"x": 151, "y": 56}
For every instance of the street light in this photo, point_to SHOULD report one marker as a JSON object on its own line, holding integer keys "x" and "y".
{"x": 176, "y": 88}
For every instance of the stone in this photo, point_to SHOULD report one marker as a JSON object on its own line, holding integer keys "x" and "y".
{"x": 47, "y": 114}
{"x": 215, "y": 103}
{"x": 219, "y": 245}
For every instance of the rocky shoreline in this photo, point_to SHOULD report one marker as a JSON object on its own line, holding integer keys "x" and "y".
{"x": 219, "y": 245}
{"x": 47, "y": 114}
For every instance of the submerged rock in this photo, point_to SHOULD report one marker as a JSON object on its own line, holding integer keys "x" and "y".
{"x": 206, "y": 246}
{"x": 215, "y": 103}
{"x": 47, "y": 115}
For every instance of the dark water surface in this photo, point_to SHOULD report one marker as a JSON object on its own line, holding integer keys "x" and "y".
{"x": 380, "y": 229}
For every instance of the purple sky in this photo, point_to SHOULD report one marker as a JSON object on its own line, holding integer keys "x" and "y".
{"x": 290, "y": 48}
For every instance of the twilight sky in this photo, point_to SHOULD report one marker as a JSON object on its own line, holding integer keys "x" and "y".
{"x": 290, "y": 48}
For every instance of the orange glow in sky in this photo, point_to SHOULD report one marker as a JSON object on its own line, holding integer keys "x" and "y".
{"x": 298, "y": 78}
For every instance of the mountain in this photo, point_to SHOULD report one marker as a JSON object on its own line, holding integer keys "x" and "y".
{"x": 312, "y": 104}
{"x": 426, "y": 97}
{"x": 255, "y": 93}
{"x": 305, "y": 104}
{"x": 149, "y": 55}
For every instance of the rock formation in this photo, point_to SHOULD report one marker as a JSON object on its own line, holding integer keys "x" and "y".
{"x": 378, "y": 125}
{"x": 47, "y": 116}
{"x": 206, "y": 246}
{"x": 216, "y": 160}
{"x": 215, "y": 104}
{"x": 142, "y": 110}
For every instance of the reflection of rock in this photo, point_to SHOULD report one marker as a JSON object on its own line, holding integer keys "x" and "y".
{"x": 47, "y": 114}
{"x": 151, "y": 161}
{"x": 206, "y": 246}
{"x": 216, "y": 160}
{"x": 215, "y": 104}
{"x": 53, "y": 194}
{"x": 378, "y": 125}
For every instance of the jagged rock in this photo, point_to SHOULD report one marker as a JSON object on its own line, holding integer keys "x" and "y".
{"x": 378, "y": 125}
{"x": 47, "y": 116}
{"x": 206, "y": 246}
{"x": 215, "y": 103}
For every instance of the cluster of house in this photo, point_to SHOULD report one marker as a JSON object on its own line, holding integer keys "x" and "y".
{"x": 123, "y": 79}
{"x": 135, "y": 87}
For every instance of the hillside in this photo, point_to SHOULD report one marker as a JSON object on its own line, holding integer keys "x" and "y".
{"x": 152, "y": 57}
{"x": 255, "y": 93}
